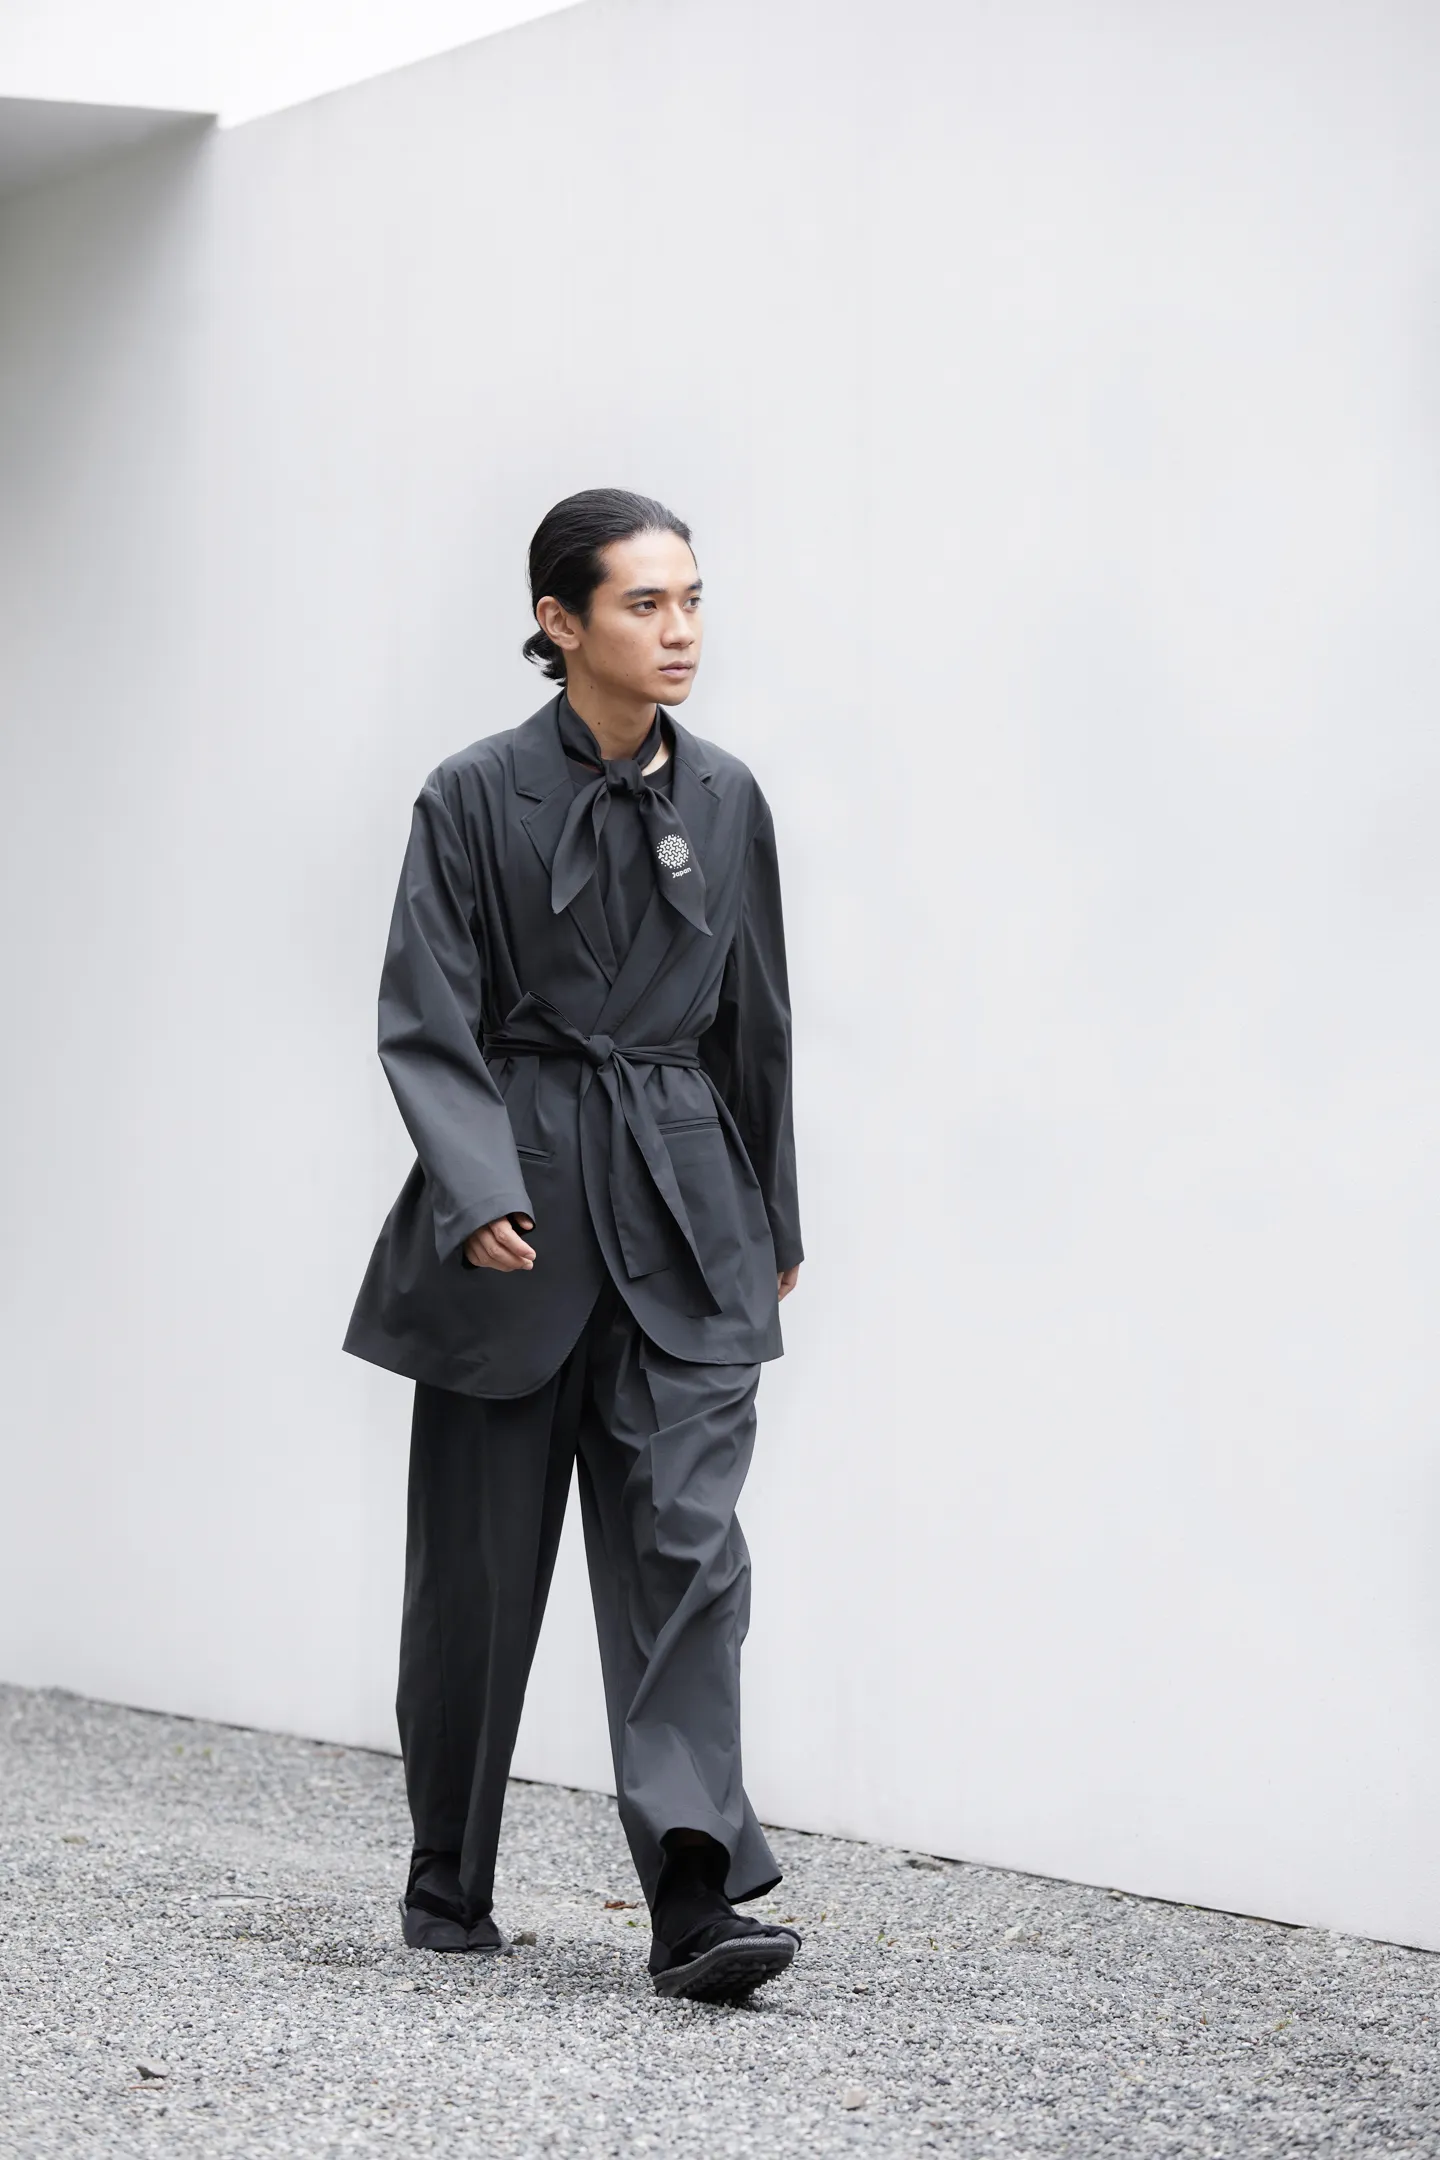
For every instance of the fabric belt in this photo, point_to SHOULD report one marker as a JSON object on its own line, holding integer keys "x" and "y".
{"x": 536, "y": 1028}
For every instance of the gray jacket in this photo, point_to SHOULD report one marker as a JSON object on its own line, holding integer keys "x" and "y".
{"x": 641, "y": 1114}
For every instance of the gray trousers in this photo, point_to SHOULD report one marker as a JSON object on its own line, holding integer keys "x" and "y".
{"x": 662, "y": 1447}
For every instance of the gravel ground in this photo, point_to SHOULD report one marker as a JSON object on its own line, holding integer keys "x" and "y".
{"x": 217, "y": 1908}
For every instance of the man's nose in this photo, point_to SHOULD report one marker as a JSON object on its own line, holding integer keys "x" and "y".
{"x": 678, "y": 630}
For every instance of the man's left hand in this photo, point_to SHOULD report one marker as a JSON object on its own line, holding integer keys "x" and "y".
{"x": 786, "y": 1282}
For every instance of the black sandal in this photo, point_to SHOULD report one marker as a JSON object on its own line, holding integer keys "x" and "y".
{"x": 723, "y": 1961}
{"x": 429, "y": 1920}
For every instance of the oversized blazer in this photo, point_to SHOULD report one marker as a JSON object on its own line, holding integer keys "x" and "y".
{"x": 639, "y": 1111}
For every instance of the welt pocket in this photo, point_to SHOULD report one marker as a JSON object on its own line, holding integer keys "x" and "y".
{"x": 535, "y": 1154}
{"x": 689, "y": 1124}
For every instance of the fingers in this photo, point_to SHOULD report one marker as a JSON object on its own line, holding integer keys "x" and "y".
{"x": 785, "y": 1282}
{"x": 500, "y": 1245}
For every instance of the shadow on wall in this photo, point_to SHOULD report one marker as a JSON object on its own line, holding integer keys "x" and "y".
{"x": 131, "y": 223}
{"x": 44, "y": 141}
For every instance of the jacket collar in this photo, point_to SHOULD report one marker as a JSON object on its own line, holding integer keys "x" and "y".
{"x": 540, "y": 759}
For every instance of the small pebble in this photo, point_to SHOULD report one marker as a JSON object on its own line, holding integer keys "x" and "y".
{"x": 854, "y": 2096}
{"x": 152, "y": 2069}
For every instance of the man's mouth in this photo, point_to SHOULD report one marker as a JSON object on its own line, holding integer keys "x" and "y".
{"x": 676, "y": 667}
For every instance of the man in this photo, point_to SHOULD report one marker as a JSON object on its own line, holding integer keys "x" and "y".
{"x": 584, "y": 1018}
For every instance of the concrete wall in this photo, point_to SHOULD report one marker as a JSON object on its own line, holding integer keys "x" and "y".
{"x": 1052, "y": 390}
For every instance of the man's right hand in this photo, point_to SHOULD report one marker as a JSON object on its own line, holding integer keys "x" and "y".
{"x": 500, "y": 1245}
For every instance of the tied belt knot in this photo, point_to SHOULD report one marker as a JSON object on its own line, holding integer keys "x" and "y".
{"x": 640, "y": 1164}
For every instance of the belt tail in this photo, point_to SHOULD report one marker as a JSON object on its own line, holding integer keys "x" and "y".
{"x": 644, "y": 1245}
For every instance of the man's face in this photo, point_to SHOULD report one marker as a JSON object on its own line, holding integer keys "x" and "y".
{"x": 644, "y": 631}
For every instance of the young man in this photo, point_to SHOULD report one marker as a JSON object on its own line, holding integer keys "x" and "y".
{"x": 584, "y": 1017}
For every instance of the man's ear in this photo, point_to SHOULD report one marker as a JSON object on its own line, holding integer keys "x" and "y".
{"x": 557, "y": 624}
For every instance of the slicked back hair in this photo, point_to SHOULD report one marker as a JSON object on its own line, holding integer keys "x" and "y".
{"x": 565, "y": 555}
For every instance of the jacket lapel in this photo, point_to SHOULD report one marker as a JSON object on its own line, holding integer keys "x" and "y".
{"x": 541, "y": 771}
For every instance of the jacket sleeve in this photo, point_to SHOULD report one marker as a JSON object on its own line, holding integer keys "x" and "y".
{"x": 747, "y": 1047}
{"x": 430, "y": 1012}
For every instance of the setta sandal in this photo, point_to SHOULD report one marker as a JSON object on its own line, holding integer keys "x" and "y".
{"x": 426, "y": 1925}
{"x": 727, "y": 1967}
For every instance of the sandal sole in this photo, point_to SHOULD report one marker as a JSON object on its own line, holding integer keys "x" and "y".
{"x": 729, "y": 1972}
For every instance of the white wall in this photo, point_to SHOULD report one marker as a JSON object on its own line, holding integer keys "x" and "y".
{"x": 237, "y": 58}
{"x": 1050, "y": 388}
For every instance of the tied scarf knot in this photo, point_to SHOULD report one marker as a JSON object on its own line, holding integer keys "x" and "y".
{"x": 672, "y": 858}
{"x": 599, "y": 1049}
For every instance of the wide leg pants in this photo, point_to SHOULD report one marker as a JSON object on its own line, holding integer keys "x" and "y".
{"x": 663, "y": 1447}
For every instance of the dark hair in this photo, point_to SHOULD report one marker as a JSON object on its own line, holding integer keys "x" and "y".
{"x": 565, "y": 554}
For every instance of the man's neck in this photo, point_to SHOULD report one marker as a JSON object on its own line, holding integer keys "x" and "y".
{"x": 619, "y": 723}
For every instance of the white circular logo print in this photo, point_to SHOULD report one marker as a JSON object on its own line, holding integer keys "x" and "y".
{"x": 673, "y": 852}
